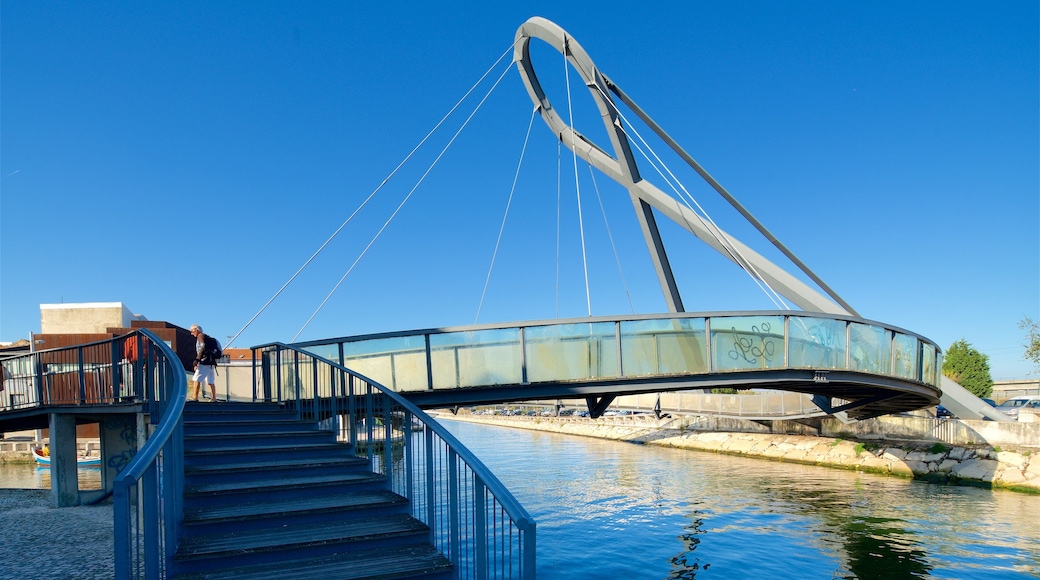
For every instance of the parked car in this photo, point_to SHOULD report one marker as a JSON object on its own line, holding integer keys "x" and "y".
{"x": 942, "y": 412}
{"x": 1012, "y": 406}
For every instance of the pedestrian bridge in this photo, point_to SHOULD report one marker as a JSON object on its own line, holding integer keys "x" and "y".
{"x": 863, "y": 368}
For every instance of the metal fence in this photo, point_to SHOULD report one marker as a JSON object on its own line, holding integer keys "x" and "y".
{"x": 473, "y": 519}
{"x": 97, "y": 373}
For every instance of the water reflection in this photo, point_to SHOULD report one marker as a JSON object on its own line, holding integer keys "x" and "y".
{"x": 607, "y": 509}
{"x": 30, "y": 476}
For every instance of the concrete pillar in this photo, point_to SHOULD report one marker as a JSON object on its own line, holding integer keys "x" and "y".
{"x": 119, "y": 444}
{"x": 64, "y": 470}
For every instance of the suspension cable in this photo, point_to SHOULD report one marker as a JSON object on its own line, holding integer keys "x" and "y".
{"x": 577, "y": 186}
{"x": 404, "y": 201}
{"x": 716, "y": 233}
{"x": 509, "y": 202}
{"x": 713, "y": 229}
{"x": 371, "y": 195}
{"x": 610, "y": 236}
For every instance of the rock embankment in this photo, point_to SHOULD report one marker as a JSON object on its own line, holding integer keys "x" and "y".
{"x": 1017, "y": 470}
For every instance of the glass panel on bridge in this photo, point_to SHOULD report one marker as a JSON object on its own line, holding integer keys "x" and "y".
{"x": 567, "y": 352}
{"x": 326, "y": 351}
{"x": 816, "y": 343}
{"x": 904, "y": 353}
{"x": 747, "y": 342}
{"x": 869, "y": 348}
{"x": 476, "y": 358}
{"x": 663, "y": 347}
{"x": 928, "y": 363}
{"x": 398, "y": 363}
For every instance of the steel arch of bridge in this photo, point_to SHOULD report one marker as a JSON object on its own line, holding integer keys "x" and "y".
{"x": 622, "y": 168}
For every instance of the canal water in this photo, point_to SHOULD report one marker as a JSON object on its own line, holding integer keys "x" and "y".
{"x": 607, "y": 509}
{"x": 29, "y": 476}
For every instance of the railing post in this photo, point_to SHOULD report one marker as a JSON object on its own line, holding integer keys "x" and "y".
{"x": 453, "y": 505}
{"x": 121, "y": 530}
{"x": 409, "y": 455}
{"x": 150, "y": 523}
{"x": 81, "y": 375}
{"x": 529, "y": 570}
{"x": 480, "y": 546}
{"x": 431, "y": 488}
{"x": 388, "y": 431}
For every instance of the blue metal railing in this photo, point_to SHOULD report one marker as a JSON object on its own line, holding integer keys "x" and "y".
{"x": 91, "y": 374}
{"x": 148, "y": 493}
{"x": 473, "y": 518}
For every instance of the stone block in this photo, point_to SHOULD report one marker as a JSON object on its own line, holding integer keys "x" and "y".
{"x": 947, "y": 465}
{"x": 979, "y": 469}
{"x": 918, "y": 467}
{"x": 961, "y": 453}
{"x": 740, "y": 445}
{"x": 1011, "y": 458}
{"x": 874, "y": 462}
{"x": 925, "y": 456}
{"x": 796, "y": 455}
{"x": 900, "y": 468}
{"x": 894, "y": 454}
{"x": 774, "y": 452}
{"x": 1010, "y": 476}
{"x": 1033, "y": 469}
{"x": 843, "y": 449}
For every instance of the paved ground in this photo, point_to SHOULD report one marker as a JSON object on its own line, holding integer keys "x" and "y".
{"x": 38, "y": 541}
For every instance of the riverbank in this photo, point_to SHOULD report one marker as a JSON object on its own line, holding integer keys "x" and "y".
{"x": 981, "y": 465}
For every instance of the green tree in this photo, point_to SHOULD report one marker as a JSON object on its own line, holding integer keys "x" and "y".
{"x": 1032, "y": 340}
{"x": 969, "y": 368}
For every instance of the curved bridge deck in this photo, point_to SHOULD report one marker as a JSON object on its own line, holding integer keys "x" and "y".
{"x": 848, "y": 364}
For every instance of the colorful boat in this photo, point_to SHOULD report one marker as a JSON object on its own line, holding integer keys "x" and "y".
{"x": 81, "y": 461}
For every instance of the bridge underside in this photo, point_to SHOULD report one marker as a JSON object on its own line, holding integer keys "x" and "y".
{"x": 859, "y": 395}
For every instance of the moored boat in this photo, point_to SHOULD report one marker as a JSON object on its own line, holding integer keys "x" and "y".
{"x": 81, "y": 461}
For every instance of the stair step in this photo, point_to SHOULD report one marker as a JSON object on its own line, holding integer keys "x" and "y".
{"x": 371, "y": 500}
{"x": 236, "y": 455}
{"x": 248, "y": 438}
{"x": 330, "y": 537}
{"x": 282, "y": 424}
{"x": 305, "y": 463}
{"x": 401, "y": 562}
{"x": 285, "y": 488}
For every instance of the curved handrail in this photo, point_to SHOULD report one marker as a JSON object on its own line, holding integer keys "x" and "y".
{"x": 145, "y": 544}
{"x": 347, "y": 397}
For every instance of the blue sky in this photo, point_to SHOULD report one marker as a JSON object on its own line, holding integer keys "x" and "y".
{"x": 187, "y": 158}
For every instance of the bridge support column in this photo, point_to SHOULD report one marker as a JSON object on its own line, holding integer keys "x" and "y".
{"x": 598, "y": 406}
{"x": 64, "y": 474}
{"x": 119, "y": 435}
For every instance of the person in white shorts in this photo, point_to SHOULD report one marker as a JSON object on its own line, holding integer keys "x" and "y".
{"x": 205, "y": 366}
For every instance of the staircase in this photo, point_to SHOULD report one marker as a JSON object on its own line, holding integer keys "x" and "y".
{"x": 268, "y": 496}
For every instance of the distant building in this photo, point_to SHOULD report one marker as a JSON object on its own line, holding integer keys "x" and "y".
{"x": 85, "y": 317}
{"x": 1003, "y": 390}
{"x": 63, "y": 325}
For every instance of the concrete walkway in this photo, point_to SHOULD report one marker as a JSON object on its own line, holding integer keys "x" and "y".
{"x": 38, "y": 541}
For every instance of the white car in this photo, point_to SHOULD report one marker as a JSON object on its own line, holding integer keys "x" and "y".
{"x": 1011, "y": 406}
